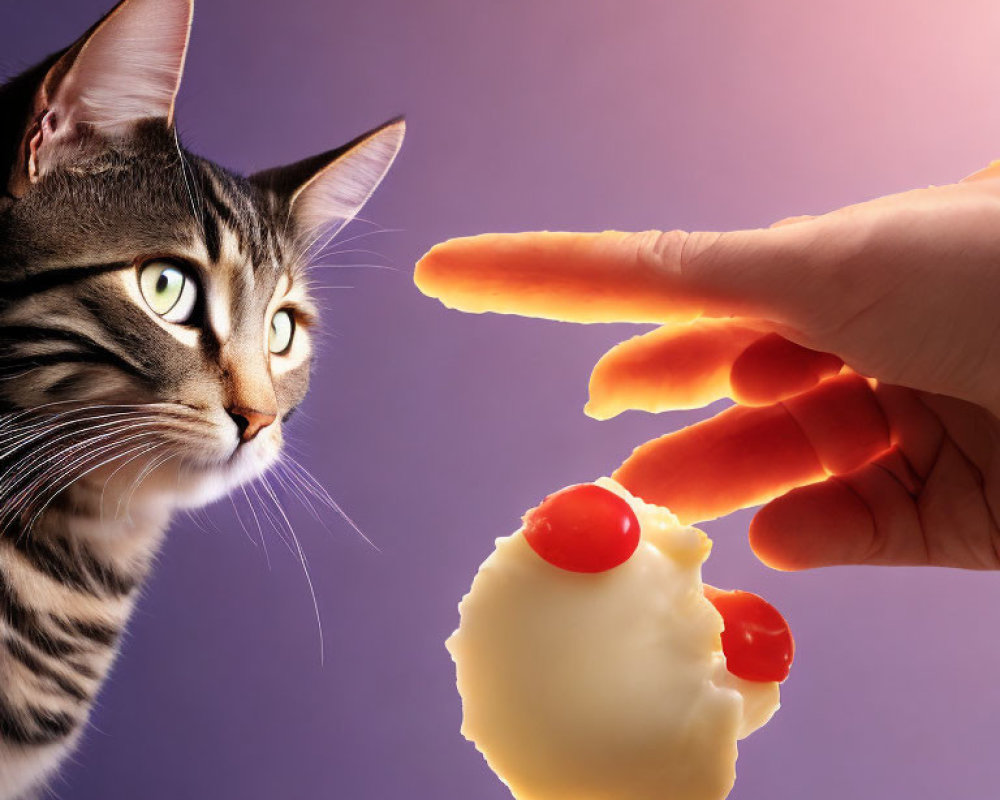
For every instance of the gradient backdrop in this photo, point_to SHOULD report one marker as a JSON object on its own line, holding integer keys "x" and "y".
{"x": 436, "y": 430}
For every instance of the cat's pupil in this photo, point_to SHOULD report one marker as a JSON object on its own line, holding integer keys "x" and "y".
{"x": 162, "y": 283}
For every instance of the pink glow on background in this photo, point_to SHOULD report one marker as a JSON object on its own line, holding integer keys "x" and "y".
{"x": 437, "y": 430}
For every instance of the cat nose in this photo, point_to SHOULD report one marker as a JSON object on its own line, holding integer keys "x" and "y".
{"x": 250, "y": 421}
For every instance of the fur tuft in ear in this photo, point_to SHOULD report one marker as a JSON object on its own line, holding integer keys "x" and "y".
{"x": 326, "y": 192}
{"x": 125, "y": 69}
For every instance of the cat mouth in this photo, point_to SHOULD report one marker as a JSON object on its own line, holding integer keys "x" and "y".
{"x": 238, "y": 452}
{"x": 247, "y": 460}
{"x": 203, "y": 479}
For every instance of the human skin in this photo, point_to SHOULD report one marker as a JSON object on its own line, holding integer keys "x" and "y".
{"x": 862, "y": 349}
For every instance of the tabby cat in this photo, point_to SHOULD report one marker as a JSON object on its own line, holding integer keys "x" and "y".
{"x": 155, "y": 326}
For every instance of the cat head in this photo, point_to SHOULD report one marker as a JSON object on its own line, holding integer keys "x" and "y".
{"x": 153, "y": 304}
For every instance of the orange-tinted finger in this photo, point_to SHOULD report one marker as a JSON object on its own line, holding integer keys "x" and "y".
{"x": 868, "y": 516}
{"x": 676, "y": 366}
{"x": 884, "y": 513}
{"x": 745, "y": 456}
{"x": 772, "y": 368}
{"x": 575, "y": 277}
{"x": 922, "y": 502}
{"x": 638, "y": 277}
{"x": 691, "y": 365}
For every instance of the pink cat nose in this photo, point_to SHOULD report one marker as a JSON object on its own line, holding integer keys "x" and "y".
{"x": 250, "y": 421}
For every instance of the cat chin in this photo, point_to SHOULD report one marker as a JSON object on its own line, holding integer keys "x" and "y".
{"x": 201, "y": 485}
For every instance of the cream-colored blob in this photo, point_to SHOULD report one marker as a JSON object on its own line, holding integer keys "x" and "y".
{"x": 608, "y": 686}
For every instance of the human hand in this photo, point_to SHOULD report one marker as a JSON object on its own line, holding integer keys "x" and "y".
{"x": 862, "y": 348}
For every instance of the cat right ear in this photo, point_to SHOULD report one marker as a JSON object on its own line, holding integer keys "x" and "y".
{"x": 325, "y": 192}
{"x": 124, "y": 70}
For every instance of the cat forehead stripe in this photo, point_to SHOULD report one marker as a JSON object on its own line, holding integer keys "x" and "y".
{"x": 231, "y": 200}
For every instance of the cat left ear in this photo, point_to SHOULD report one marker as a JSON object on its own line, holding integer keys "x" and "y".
{"x": 125, "y": 69}
{"x": 327, "y": 191}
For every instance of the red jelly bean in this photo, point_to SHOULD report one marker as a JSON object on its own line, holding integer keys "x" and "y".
{"x": 583, "y": 528}
{"x": 756, "y": 641}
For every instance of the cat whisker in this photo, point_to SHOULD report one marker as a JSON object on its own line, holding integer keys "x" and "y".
{"x": 210, "y": 523}
{"x": 330, "y": 235}
{"x": 239, "y": 519}
{"x": 197, "y": 209}
{"x": 126, "y": 496}
{"x": 10, "y": 417}
{"x": 192, "y": 516}
{"x": 269, "y": 515}
{"x": 366, "y": 234}
{"x": 388, "y": 267}
{"x": 63, "y": 460}
{"x": 364, "y": 220}
{"x": 260, "y": 529}
{"x": 315, "y": 488}
{"x": 38, "y": 422}
{"x": 41, "y": 486}
{"x": 36, "y": 468}
{"x": 140, "y": 479}
{"x": 62, "y": 436}
{"x": 38, "y": 464}
{"x": 299, "y": 488}
{"x": 285, "y": 479}
{"x": 68, "y": 483}
{"x": 303, "y": 561}
{"x": 351, "y": 251}
{"x": 74, "y": 416}
{"x": 111, "y": 477}
{"x": 318, "y": 244}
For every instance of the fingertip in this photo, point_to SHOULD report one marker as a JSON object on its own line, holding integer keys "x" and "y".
{"x": 610, "y": 380}
{"x": 818, "y": 525}
{"x": 674, "y": 367}
{"x": 439, "y": 266}
{"x": 773, "y": 368}
{"x": 773, "y": 533}
{"x": 424, "y": 272}
{"x": 596, "y": 410}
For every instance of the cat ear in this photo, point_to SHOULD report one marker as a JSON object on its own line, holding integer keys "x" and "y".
{"x": 325, "y": 192}
{"x": 125, "y": 69}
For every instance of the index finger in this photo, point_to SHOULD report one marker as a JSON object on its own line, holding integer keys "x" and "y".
{"x": 650, "y": 277}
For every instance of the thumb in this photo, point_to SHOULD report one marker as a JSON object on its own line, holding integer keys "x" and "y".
{"x": 649, "y": 277}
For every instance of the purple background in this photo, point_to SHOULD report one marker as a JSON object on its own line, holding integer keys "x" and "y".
{"x": 436, "y": 430}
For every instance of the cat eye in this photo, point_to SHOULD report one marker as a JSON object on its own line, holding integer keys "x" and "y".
{"x": 168, "y": 290}
{"x": 282, "y": 329}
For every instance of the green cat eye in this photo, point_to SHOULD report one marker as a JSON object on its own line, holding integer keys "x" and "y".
{"x": 282, "y": 330}
{"x": 168, "y": 291}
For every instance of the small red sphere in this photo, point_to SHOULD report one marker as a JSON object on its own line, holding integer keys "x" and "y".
{"x": 583, "y": 528}
{"x": 756, "y": 641}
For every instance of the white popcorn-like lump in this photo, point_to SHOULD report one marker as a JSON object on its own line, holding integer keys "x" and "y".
{"x": 604, "y": 686}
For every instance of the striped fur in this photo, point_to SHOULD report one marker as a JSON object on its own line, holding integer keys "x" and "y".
{"x": 111, "y": 415}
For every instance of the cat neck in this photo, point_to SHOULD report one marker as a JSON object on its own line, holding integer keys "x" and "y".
{"x": 68, "y": 584}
